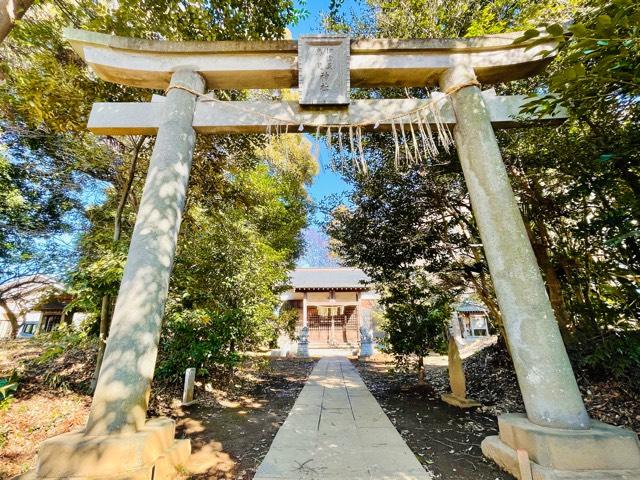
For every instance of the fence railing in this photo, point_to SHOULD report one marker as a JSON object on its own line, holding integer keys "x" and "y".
{"x": 335, "y": 330}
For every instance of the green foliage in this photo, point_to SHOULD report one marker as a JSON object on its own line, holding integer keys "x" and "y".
{"x": 617, "y": 354}
{"x": 246, "y": 204}
{"x": 234, "y": 251}
{"x": 578, "y": 185}
{"x": 416, "y": 315}
{"x": 406, "y": 233}
{"x": 200, "y": 339}
{"x": 8, "y": 386}
{"x": 60, "y": 341}
{"x": 217, "y": 272}
{"x": 47, "y": 91}
{"x": 102, "y": 259}
{"x": 47, "y": 84}
{"x": 287, "y": 320}
{"x": 454, "y": 18}
{"x": 34, "y": 200}
{"x": 195, "y": 20}
{"x": 599, "y": 65}
{"x": 390, "y": 237}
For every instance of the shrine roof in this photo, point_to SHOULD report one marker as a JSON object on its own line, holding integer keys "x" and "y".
{"x": 469, "y": 306}
{"x": 339, "y": 278}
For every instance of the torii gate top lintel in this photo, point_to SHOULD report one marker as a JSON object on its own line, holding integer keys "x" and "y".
{"x": 274, "y": 64}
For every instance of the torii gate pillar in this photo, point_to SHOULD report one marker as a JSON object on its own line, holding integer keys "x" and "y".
{"x": 547, "y": 383}
{"x": 557, "y": 433}
{"x": 118, "y": 442}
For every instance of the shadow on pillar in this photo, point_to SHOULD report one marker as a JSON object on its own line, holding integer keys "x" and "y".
{"x": 561, "y": 440}
{"x": 118, "y": 441}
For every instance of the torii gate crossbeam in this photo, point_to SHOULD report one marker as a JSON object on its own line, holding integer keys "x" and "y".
{"x": 132, "y": 118}
{"x": 118, "y": 442}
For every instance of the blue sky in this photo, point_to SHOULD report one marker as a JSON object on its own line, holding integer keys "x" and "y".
{"x": 327, "y": 182}
{"x": 313, "y": 23}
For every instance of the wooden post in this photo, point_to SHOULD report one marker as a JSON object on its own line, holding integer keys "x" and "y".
{"x": 358, "y": 312}
{"x": 304, "y": 310}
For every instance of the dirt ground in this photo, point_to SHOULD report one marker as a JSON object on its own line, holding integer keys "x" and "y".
{"x": 36, "y": 412}
{"x": 231, "y": 425}
{"x": 491, "y": 380}
{"x": 231, "y": 428}
{"x": 236, "y": 416}
{"x": 445, "y": 439}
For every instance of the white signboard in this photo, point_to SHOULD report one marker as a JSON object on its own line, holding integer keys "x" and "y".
{"x": 323, "y": 69}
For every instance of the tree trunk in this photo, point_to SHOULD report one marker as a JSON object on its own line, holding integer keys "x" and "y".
{"x": 13, "y": 319}
{"x": 485, "y": 292}
{"x": 554, "y": 287}
{"x": 105, "y": 317}
{"x": 482, "y": 283}
{"x": 105, "y": 321}
{"x": 541, "y": 244}
{"x": 421, "y": 372}
{"x": 482, "y": 288}
{"x": 10, "y": 12}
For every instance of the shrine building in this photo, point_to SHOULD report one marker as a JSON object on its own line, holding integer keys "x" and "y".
{"x": 333, "y": 303}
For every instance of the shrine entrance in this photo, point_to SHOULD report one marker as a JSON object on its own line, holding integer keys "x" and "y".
{"x": 556, "y": 432}
{"x": 331, "y": 326}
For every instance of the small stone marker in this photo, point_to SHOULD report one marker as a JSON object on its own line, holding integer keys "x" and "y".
{"x": 284, "y": 346}
{"x": 323, "y": 69}
{"x": 458, "y": 395}
{"x": 189, "y": 379}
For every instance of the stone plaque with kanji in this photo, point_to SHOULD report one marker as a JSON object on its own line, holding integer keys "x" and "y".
{"x": 323, "y": 69}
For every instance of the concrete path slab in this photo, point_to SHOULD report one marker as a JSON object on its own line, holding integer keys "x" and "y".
{"x": 337, "y": 430}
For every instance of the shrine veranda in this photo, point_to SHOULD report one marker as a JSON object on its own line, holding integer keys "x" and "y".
{"x": 560, "y": 440}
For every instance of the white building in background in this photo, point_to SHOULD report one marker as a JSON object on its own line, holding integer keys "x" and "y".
{"x": 38, "y": 303}
{"x": 470, "y": 321}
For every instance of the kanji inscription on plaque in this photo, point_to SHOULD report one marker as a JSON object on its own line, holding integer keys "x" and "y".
{"x": 323, "y": 69}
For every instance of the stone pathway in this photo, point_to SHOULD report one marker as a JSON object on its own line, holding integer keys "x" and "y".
{"x": 337, "y": 430}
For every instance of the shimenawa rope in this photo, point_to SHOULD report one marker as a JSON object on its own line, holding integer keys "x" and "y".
{"x": 418, "y": 116}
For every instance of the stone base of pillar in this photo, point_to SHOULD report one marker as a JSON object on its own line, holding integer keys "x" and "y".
{"x": 460, "y": 402}
{"x": 603, "y": 452}
{"x": 150, "y": 454}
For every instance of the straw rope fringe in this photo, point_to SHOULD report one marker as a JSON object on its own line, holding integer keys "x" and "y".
{"x": 419, "y": 144}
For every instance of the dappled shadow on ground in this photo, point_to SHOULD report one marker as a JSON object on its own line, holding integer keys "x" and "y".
{"x": 445, "y": 439}
{"x": 13, "y": 352}
{"x": 491, "y": 380}
{"x": 231, "y": 427}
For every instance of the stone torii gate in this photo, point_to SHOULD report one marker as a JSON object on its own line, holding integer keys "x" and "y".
{"x": 118, "y": 441}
